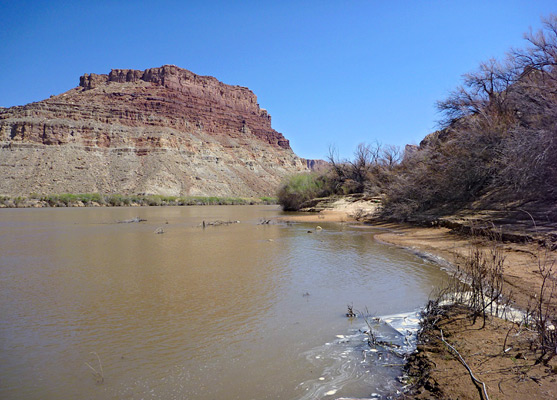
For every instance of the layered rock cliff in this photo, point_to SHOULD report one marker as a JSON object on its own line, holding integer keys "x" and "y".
{"x": 160, "y": 131}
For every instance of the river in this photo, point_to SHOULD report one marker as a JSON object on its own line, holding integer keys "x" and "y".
{"x": 91, "y": 308}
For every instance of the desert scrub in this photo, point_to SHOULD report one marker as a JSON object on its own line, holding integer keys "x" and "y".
{"x": 218, "y": 201}
{"x": 88, "y": 198}
{"x": 116, "y": 200}
{"x": 269, "y": 200}
{"x": 68, "y": 199}
{"x": 298, "y": 189}
{"x": 119, "y": 200}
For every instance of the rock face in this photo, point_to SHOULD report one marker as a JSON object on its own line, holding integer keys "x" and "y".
{"x": 160, "y": 131}
{"x": 316, "y": 165}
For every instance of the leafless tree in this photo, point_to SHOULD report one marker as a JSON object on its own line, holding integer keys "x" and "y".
{"x": 499, "y": 136}
{"x": 391, "y": 156}
{"x": 542, "y": 54}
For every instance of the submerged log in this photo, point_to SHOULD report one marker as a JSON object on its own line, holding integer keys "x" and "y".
{"x": 133, "y": 220}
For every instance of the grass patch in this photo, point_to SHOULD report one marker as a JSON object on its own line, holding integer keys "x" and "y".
{"x": 119, "y": 200}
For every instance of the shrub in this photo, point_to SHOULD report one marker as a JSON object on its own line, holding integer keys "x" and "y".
{"x": 368, "y": 172}
{"x": 154, "y": 200}
{"x": 298, "y": 189}
{"x": 115, "y": 200}
{"x": 269, "y": 200}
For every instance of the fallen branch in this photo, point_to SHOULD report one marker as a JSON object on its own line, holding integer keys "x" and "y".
{"x": 99, "y": 375}
{"x": 131, "y": 221}
{"x": 474, "y": 379}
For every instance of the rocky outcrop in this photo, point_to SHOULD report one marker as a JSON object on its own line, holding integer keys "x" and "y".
{"x": 316, "y": 165}
{"x": 160, "y": 131}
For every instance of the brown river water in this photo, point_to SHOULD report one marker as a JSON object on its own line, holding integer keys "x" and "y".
{"x": 239, "y": 311}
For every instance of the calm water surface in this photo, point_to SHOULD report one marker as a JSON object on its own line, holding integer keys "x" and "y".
{"x": 243, "y": 311}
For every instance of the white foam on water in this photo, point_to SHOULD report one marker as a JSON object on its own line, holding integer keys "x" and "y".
{"x": 354, "y": 368}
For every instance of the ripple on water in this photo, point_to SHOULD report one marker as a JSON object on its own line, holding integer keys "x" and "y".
{"x": 215, "y": 313}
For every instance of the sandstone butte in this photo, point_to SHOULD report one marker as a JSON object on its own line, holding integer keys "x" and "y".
{"x": 160, "y": 131}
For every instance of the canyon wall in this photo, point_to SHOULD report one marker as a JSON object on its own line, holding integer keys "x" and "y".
{"x": 160, "y": 131}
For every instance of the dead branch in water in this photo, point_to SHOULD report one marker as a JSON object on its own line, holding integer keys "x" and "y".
{"x": 350, "y": 313}
{"x": 132, "y": 220}
{"x": 218, "y": 222}
{"x": 99, "y": 375}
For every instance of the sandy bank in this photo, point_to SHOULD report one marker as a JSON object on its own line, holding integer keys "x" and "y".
{"x": 500, "y": 355}
{"x": 521, "y": 260}
{"x": 511, "y": 374}
{"x": 346, "y": 209}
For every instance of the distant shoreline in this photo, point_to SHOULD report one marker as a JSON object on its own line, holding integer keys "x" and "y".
{"x": 118, "y": 200}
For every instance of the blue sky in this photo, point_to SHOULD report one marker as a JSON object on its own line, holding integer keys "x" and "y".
{"x": 329, "y": 72}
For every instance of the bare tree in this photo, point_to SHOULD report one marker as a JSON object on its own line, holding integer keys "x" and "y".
{"x": 484, "y": 94}
{"x": 542, "y": 54}
{"x": 367, "y": 172}
{"x": 391, "y": 156}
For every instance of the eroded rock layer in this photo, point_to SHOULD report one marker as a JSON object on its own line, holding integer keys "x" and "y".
{"x": 160, "y": 131}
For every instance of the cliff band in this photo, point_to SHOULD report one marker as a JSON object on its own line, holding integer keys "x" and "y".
{"x": 160, "y": 131}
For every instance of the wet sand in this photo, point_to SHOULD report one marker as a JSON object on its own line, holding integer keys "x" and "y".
{"x": 521, "y": 260}
{"x": 511, "y": 375}
{"x": 499, "y": 355}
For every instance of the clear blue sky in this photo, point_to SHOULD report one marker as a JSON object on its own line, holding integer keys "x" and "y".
{"x": 329, "y": 72}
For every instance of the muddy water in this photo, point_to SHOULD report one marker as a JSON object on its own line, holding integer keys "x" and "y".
{"x": 239, "y": 311}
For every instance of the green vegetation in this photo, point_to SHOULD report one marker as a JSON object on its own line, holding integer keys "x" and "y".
{"x": 370, "y": 172}
{"x": 297, "y": 189}
{"x": 118, "y": 200}
{"x": 497, "y": 144}
{"x": 268, "y": 200}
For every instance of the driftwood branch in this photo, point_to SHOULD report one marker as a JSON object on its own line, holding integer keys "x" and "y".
{"x": 99, "y": 375}
{"x": 474, "y": 379}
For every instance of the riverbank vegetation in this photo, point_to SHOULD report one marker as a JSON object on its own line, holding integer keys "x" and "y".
{"x": 298, "y": 189}
{"x": 118, "y": 200}
{"x": 497, "y": 145}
